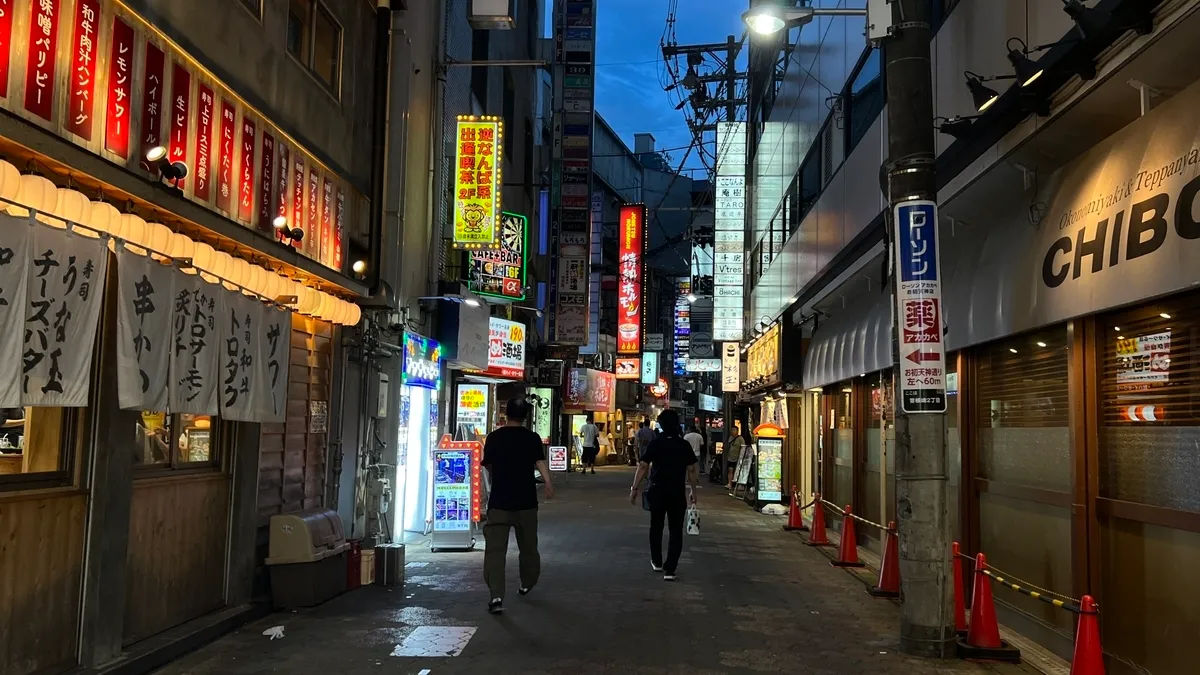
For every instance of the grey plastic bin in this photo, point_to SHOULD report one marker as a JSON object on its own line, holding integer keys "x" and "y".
{"x": 307, "y": 559}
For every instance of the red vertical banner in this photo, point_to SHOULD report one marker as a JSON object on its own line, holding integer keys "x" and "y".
{"x": 283, "y": 165}
{"x": 81, "y": 81}
{"x": 225, "y": 158}
{"x": 327, "y": 222}
{"x": 152, "y": 98}
{"x": 298, "y": 198}
{"x": 204, "y": 128}
{"x": 181, "y": 114}
{"x": 339, "y": 228}
{"x": 6, "y": 26}
{"x": 266, "y": 183}
{"x": 631, "y": 249}
{"x": 246, "y": 179}
{"x": 42, "y": 55}
{"x": 120, "y": 90}
{"x": 313, "y": 231}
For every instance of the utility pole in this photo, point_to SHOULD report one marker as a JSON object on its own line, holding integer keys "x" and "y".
{"x": 926, "y": 626}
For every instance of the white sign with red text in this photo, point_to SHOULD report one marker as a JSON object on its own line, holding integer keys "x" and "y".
{"x": 919, "y": 309}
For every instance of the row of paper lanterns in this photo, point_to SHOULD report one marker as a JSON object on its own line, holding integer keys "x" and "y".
{"x": 158, "y": 241}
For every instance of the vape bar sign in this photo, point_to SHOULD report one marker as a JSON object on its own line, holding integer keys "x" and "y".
{"x": 919, "y": 309}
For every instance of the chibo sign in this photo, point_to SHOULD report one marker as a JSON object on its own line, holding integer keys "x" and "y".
{"x": 1133, "y": 232}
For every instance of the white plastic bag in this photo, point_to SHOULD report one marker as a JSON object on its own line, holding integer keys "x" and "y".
{"x": 693, "y": 520}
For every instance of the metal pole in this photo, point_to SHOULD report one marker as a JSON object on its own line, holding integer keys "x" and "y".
{"x": 731, "y": 50}
{"x": 926, "y": 625}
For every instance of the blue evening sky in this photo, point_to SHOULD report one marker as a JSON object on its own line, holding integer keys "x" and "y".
{"x": 629, "y": 63}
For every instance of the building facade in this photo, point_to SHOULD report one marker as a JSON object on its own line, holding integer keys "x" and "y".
{"x": 1066, "y": 220}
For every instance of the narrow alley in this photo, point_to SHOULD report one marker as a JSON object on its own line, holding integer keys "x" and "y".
{"x": 750, "y": 598}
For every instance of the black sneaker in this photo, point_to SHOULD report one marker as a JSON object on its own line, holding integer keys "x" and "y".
{"x": 524, "y": 590}
{"x": 656, "y": 568}
{"x": 496, "y": 606}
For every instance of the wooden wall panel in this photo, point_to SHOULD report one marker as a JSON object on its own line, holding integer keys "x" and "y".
{"x": 176, "y": 562}
{"x": 41, "y": 568}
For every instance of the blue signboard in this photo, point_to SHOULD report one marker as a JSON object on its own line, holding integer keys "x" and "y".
{"x": 917, "y": 225}
{"x": 920, "y": 326}
{"x": 422, "y": 362}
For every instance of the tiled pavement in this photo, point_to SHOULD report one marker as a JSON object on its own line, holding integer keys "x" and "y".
{"x": 750, "y": 599}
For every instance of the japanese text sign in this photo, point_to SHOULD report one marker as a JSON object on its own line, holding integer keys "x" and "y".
{"x": 477, "y": 181}
{"x": 152, "y": 97}
{"x": 43, "y": 51}
{"x": 631, "y": 244}
{"x": 6, "y": 26}
{"x": 918, "y": 308}
{"x": 422, "y": 362}
{"x": 180, "y": 115}
{"x": 145, "y": 295}
{"x": 81, "y": 81}
{"x": 506, "y": 348}
{"x": 120, "y": 89}
{"x": 500, "y": 271}
{"x": 204, "y": 129}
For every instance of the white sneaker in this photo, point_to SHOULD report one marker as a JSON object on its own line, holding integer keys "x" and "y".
{"x": 656, "y": 568}
{"x": 668, "y": 577}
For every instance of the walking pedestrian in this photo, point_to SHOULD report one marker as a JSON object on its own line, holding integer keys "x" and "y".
{"x": 510, "y": 455}
{"x": 644, "y": 437}
{"x": 589, "y": 434}
{"x": 672, "y": 464}
{"x": 694, "y": 439}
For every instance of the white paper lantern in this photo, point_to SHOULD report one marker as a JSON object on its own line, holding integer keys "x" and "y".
{"x": 272, "y": 286}
{"x": 101, "y": 217}
{"x": 225, "y": 270}
{"x": 309, "y": 300}
{"x": 36, "y": 193}
{"x": 202, "y": 261}
{"x": 182, "y": 247}
{"x": 134, "y": 232}
{"x": 259, "y": 279}
{"x": 325, "y": 309}
{"x": 10, "y": 181}
{"x": 158, "y": 240}
{"x": 72, "y": 206}
{"x": 355, "y": 315}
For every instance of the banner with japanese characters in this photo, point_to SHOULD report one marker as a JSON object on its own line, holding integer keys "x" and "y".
{"x": 275, "y": 345}
{"x": 16, "y": 237}
{"x": 240, "y": 375}
{"x": 195, "y": 345}
{"x": 144, "y": 340}
{"x": 62, "y": 310}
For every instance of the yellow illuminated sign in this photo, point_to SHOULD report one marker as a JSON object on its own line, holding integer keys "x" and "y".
{"x": 762, "y": 358}
{"x": 477, "y": 180}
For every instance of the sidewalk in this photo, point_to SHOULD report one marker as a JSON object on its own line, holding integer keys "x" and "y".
{"x": 750, "y": 599}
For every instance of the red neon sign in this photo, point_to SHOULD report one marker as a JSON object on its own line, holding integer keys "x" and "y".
{"x": 43, "y": 50}
{"x": 180, "y": 114}
{"x": 204, "y": 128}
{"x": 82, "y": 78}
{"x": 225, "y": 158}
{"x": 327, "y": 253}
{"x": 298, "y": 197}
{"x": 339, "y": 220}
{"x": 152, "y": 85}
{"x": 284, "y": 165}
{"x": 630, "y": 270}
{"x": 266, "y": 182}
{"x": 6, "y": 25}
{"x": 246, "y": 193}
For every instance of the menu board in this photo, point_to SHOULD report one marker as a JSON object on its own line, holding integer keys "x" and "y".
{"x": 742, "y": 475}
{"x": 770, "y": 469}
{"x": 451, "y": 490}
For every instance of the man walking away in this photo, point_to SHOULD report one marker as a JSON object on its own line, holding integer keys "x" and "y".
{"x": 589, "y": 433}
{"x": 643, "y": 438}
{"x": 510, "y": 455}
{"x": 696, "y": 440}
{"x": 671, "y": 464}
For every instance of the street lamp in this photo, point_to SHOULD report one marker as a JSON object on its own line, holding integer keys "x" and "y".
{"x": 769, "y": 19}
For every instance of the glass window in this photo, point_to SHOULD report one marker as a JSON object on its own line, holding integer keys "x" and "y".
{"x": 327, "y": 48}
{"x": 841, "y": 479}
{"x": 866, "y": 98}
{"x": 1150, "y": 404}
{"x": 174, "y": 441}
{"x": 34, "y": 441}
{"x": 874, "y": 411}
{"x": 299, "y": 21}
{"x": 255, "y": 7}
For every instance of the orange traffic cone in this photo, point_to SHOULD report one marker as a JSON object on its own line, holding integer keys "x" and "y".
{"x": 848, "y": 551}
{"x": 889, "y": 571}
{"x": 960, "y": 607}
{"x": 795, "y": 519}
{"x": 817, "y": 536}
{"x": 983, "y": 636}
{"x": 1088, "y": 658}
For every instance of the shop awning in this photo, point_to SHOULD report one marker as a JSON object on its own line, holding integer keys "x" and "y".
{"x": 855, "y": 340}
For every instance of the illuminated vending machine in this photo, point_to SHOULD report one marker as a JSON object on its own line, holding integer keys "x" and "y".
{"x": 457, "y": 494}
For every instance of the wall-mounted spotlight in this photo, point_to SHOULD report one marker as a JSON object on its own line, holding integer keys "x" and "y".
{"x": 156, "y": 162}
{"x": 359, "y": 266}
{"x": 1088, "y": 20}
{"x": 982, "y": 95}
{"x": 293, "y": 234}
{"x": 1026, "y": 70}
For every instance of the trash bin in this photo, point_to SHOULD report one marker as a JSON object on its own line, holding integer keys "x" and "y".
{"x": 307, "y": 560}
{"x": 389, "y": 564}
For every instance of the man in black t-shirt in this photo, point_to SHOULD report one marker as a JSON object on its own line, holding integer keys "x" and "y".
{"x": 671, "y": 464}
{"x": 510, "y": 455}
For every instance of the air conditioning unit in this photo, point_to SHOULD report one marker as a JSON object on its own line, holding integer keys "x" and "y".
{"x": 491, "y": 15}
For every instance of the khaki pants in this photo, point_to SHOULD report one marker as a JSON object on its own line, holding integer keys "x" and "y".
{"x": 495, "y": 536}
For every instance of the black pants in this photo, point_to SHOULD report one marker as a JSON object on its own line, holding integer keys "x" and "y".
{"x": 672, "y": 511}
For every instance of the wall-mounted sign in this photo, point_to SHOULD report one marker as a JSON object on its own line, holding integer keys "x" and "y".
{"x": 550, "y": 373}
{"x": 762, "y": 359}
{"x": 919, "y": 308}
{"x": 628, "y": 368}
{"x": 558, "y": 458}
{"x": 422, "y": 362}
{"x": 660, "y": 388}
{"x": 500, "y": 271}
{"x": 703, "y": 365}
{"x": 731, "y": 367}
{"x": 654, "y": 342}
{"x": 709, "y": 403}
{"x": 471, "y": 410}
{"x": 1143, "y": 360}
{"x": 729, "y": 226}
{"x": 770, "y": 469}
{"x": 477, "y": 180}
{"x": 682, "y": 326}
{"x": 631, "y": 249}
{"x": 506, "y": 348}
{"x": 543, "y": 411}
{"x": 649, "y": 367}
{"x": 589, "y": 389}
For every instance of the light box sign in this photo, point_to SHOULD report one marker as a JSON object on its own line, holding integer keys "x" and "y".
{"x": 709, "y": 403}
{"x": 628, "y": 368}
{"x": 471, "y": 410}
{"x": 456, "y": 484}
{"x": 729, "y": 224}
{"x": 731, "y": 367}
{"x": 919, "y": 308}
{"x": 649, "y": 367}
{"x": 422, "y": 362}
{"x": 703, "y": 365}
{"x": 477, "y": 180}
{"x": 506, "y": 348}
{"x": 543, "y": 411}
{"x": 631, "y": 247}
{"x": 500, "y": 271}
{"x": 770, "y": 469}
{"x": 762, "y": 359}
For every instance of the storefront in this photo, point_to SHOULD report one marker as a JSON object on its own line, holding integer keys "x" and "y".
{"x": 163, "y": 350}
{"x": 589, "y": 392}
{"x": 418, "y": 433}
{"x": 1070, "y": 427}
